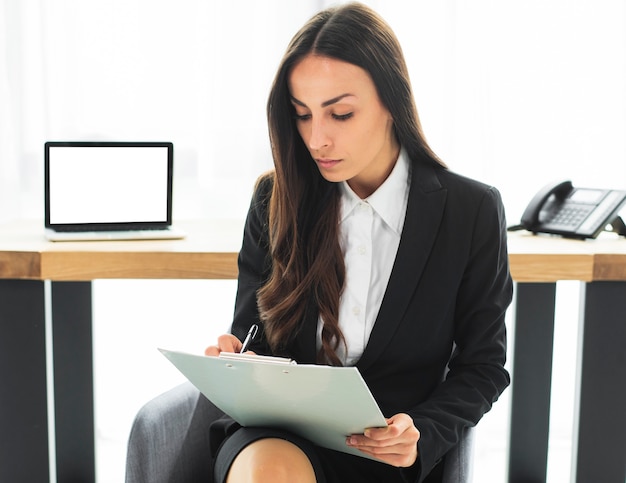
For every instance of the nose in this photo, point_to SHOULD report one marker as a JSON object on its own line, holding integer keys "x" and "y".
{"x": 318, "y": 135}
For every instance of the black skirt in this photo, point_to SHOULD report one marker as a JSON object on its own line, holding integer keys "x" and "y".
{"x": 329, "y": 466}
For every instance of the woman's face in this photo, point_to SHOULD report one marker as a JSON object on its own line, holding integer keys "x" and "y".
{"x": 342, "y": 121}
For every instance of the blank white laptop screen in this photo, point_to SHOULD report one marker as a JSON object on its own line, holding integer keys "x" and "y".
{"x": 108, "y": 187}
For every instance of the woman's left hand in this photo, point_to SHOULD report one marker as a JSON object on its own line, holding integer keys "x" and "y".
{"x": 395, "y": 445}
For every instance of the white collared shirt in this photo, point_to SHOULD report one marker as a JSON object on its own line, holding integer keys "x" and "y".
{"x": 369, "y": 237}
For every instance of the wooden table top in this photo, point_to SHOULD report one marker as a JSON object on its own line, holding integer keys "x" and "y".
{"x": 210, "y": 252}
{"x": 547, "y": 258}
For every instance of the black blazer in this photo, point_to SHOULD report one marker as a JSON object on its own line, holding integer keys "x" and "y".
{"x": 443, "y": 309}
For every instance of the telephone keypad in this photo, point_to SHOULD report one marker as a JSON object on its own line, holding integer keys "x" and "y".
{"x": 571, "y": 216}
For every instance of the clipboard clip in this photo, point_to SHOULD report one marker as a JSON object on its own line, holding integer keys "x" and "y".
{"x": 232, "y": 356}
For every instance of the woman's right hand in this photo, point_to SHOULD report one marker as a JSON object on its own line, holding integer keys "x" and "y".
{"x": 225, "y": 343}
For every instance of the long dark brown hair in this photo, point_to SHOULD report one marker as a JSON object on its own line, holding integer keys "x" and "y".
{"x": 308, "y": 271}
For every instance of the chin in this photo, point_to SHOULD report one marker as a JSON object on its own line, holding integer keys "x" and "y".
{"x": 333, "y": 176}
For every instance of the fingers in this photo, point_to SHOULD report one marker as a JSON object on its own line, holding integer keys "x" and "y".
{"x": 396, "y": 444}
{"x": 212, "y": 350}
{"x": 396, "y": 426}
{"x": 225, "y": 343}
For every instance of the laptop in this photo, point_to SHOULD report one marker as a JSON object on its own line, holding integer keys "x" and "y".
{"x": 109, "y": 191}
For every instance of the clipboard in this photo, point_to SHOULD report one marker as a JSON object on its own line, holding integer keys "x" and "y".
{"x": 323, "y": 404}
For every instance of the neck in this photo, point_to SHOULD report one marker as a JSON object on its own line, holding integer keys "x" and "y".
{"x": 366, "y": 187}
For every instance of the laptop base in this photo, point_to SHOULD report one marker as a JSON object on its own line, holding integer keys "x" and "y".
{"x": 169, "y": 233}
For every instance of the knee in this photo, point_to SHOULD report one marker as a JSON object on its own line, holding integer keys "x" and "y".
{"x": 271, "y": 460}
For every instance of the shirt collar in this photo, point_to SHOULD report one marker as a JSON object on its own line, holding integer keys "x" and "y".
{"x": 389, "y": 200}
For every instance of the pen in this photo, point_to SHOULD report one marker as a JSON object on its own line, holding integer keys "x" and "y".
{"x": 251, "y": 335}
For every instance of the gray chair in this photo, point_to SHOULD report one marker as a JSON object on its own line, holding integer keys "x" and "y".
{"x": 169, "y": 442}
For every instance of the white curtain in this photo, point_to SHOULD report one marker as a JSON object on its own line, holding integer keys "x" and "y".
{"x": 514, "y": 93}
{"x": 9, "y": 172}
{"x": 194, "y": 72}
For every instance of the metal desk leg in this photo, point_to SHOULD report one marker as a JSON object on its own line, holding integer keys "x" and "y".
{"x": 532, "y": 378}
{"x": 73, "y": 381}
{"x": 601, "y": 437}
{"x": 23, "y": 402}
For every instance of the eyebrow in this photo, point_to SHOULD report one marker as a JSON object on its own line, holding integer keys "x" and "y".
{"x": 327, "y": 103}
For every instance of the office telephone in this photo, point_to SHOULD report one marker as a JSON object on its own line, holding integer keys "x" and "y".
{"x": 561, "y": 209}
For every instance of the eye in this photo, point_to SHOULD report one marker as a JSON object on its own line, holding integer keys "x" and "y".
{"x": 343, "y": 117}
{"x": 302, "y": 117}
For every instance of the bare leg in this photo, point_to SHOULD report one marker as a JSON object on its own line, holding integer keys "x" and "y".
{"x": 271, "y": 460}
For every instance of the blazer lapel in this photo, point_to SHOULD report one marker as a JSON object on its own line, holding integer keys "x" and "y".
{"x": 424, "y": 211}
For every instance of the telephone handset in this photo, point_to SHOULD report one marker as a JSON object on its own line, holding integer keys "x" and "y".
{"x": 561, "y": 209}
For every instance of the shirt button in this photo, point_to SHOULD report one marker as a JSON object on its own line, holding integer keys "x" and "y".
{"x": 361, "y": 250}
{"x": 356, "y": 310}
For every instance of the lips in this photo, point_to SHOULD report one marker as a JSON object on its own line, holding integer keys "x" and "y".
{"x": 325, "y": 163}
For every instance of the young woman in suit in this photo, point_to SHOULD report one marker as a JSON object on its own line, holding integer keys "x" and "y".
{"x": 361, "y": 248}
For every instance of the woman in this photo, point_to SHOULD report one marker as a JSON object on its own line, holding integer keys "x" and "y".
{"x": 362, "y": 248}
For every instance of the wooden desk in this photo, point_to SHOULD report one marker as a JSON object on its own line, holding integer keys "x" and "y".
{"x": 545, "y": 258}
{"x": 599, "y": 446}
{"x": 208, "y": 252}
{"x": 27, "y": 262}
